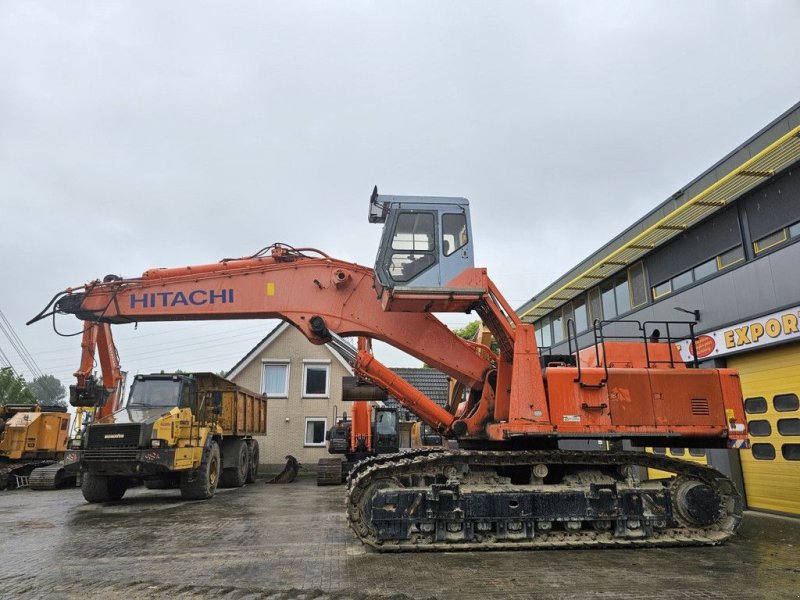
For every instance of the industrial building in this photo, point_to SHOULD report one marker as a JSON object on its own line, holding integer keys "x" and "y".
{"x": 722, "y": 251}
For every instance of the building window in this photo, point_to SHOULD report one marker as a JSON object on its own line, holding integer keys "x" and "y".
{"x": 316, "y": 377}
{"x": 543, "y": 336}
{"x": 785, "y": 402}
{"x": 558, "y": 327}
{"x": 789, "y": 426}
{"x": 662, "y": 289}
{"x": 731, "y": 257}
{"x": 777, "y": 238}
{"x": 581, "y": 316}
{"x": 682, "y": 280}
{"x": 622, "y": 295}
{"x": 705, "y": 269}
{"x": 756, "y": 405}
{"x": 759, "y": 428}
{"x": 791, "y": 451}
{"x": 595, "y": 306}
{"x": 637, "y": 283}
{"x": 276, "y": 379}
{"x": 701, "y": 271}
{"x": 315, "y": 431}
{"x": 763, "y": 451}
{"x": 607, "y": 295}
{"x": 770, "y": 240}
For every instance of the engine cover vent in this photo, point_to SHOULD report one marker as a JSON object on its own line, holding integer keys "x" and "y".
{"x": 700, "y": 407}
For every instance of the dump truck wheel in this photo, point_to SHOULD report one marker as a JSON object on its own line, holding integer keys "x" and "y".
{"x": 252, "y": 469}
{"x": 237, "y": 475}
{"x": 99, "y": 488}
{"x": 201, "y": 484}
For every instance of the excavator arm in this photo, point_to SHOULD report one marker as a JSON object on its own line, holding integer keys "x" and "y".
{"x": 105, "y": 395}
{"x": 321, "y": 296}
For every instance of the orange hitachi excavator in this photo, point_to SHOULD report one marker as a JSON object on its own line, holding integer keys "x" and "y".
{"x": 509, "y": 485}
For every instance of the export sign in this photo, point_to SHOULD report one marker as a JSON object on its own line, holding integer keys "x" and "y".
{"x": 763, "y": 331}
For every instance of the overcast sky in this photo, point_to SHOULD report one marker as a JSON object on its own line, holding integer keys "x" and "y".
{"x": 143, "y": 134}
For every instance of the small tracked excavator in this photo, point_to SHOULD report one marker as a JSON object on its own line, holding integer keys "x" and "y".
{"x": 509, "y": 485}
{"x": 369, "y": 431}
{"x": 32, "y": 438}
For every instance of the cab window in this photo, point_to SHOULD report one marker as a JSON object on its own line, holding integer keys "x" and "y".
{"x": 413, "y": 245}
{"x": 454, "y": 233}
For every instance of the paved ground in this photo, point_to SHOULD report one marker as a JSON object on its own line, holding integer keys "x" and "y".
{"x": 291, "y": 541}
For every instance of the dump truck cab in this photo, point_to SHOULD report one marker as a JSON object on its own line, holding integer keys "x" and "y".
{"x": 161, "y": 391}
{"x": 426, "y": 242}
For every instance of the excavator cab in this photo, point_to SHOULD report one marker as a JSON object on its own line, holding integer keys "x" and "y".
{"x": 426, "y": 242}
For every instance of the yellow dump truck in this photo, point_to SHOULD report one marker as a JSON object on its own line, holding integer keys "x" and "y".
{"x": 191, "y": 431}
{"x": 31, "y": 436}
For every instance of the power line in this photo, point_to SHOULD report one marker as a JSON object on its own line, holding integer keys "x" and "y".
{"x": 19, "y": 346}
{"x": 4, "y": 362}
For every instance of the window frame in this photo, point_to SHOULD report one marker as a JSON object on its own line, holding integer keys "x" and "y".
{"x": 316, "y": 363}
{"x": 640, "y": 265}
{"x": 306, "y": 443}
{"x": 284, "y": 362}
{"x": 756, "y": 243}
{"x": 465, "y": 241}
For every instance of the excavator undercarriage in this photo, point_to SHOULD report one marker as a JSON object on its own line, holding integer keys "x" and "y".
{"x": 477, "y": 500}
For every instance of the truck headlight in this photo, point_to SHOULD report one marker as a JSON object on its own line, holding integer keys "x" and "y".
{"x": 157, "y": 443}
{"x": 75, "y": 444}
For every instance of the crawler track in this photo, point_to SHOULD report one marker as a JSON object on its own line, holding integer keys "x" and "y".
{"x": 487, "y": 500}
{"x": 51, "y": 477}
{"x": 10, "y": 469}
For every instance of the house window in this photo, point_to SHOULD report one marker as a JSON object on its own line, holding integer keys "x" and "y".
{"x": 316, "y": 377}
{"x": 315, "y": 431}
{"x": 276, "y": 379}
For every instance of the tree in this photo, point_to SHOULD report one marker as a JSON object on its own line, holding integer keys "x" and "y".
{"x": 469, "y": 330}
{"x": 14, "y": 389}
{"x": 48, "y": 390}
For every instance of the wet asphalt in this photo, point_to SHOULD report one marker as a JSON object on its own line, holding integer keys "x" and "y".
{"x": 291, "y": 541}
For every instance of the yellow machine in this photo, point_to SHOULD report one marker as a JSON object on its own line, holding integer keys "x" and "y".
{"x": 31, "y": 436}
{"x": 423, "y": 436}
{"x": 190, "y": 431}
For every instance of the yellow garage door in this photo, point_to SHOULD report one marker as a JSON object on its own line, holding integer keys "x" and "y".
{"x": 699, "y": 456}
{"x": 771, "y": 467}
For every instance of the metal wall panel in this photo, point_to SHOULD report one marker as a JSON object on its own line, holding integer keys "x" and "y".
{"x": 775, "y": 205}
{"x": 720, "y": 233}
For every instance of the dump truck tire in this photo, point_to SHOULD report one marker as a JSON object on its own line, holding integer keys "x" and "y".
{"x": 201, "y": 484}
{"x": 252, "y": 470}
{"x": 236, "y": 476}
{"x": 99, "y": 488}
